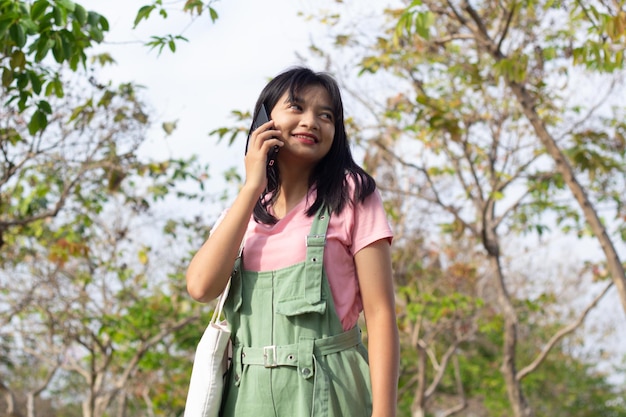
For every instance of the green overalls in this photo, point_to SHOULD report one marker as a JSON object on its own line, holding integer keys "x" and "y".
{"x": 291, "y": 357}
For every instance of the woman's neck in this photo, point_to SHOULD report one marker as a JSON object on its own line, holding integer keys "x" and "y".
{"x": 294, "y": 186}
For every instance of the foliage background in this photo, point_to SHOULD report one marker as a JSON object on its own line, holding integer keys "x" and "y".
{"x": 131, "y": 240}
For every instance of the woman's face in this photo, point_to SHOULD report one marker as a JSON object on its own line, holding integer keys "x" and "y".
{"x": 307, "y": 124}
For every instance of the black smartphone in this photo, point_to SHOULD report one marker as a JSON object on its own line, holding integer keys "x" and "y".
{"x": 260, "y": 119}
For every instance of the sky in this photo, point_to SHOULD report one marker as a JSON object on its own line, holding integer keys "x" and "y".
{"x": 223, "y": 67}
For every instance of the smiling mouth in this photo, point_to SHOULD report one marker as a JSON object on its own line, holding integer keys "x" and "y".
{"x": 306, "y": 138}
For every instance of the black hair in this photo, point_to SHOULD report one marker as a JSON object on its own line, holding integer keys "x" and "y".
{"x": 330, "y": 175}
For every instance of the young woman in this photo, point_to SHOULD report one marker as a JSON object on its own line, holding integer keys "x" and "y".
{"x": 316, "y": 254}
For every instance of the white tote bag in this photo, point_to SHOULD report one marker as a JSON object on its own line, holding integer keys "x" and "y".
{"x": 210, "y": 366}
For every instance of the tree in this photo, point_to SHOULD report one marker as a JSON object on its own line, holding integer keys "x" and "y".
{"x": 95, "y": 302}
{"x": 77, "y": 284}
{"x": 28, "y": 33}
{"x": 503, "y": 38}
{"x": 505, "y": 35}
{"x": 41, "y": 39}
{"x": 475, "y": 153}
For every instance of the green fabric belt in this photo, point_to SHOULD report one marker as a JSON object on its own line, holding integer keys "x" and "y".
{"x": 288, "y": 355}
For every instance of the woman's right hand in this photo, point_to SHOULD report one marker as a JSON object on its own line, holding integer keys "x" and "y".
{"x": 262, "y": 140}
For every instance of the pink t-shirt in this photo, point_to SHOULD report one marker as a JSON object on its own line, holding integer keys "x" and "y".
{"x": 271, "y": 247}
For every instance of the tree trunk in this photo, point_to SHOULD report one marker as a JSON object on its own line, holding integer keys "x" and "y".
{"x": 418, "y": 412}
{"x": 30, "y": 405}
{"x": 121, "y": 405}
{"x": 614, "y": 264}
{"x": 508, "y": 368}
{"x": 9, "y": 398}
{"x": 87, "y": 408}
{"x": 418, "y": 408}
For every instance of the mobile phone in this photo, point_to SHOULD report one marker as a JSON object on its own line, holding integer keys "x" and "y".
{"x": 261, "y": 118}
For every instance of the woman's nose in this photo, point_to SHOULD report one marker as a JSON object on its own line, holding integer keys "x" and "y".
{"x": 308, "y": 119}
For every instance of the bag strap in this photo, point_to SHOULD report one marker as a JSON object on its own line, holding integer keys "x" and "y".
{"x": 217, "y": 313}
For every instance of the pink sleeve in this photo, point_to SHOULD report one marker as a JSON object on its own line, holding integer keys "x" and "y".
{"x": 370, "y": 223}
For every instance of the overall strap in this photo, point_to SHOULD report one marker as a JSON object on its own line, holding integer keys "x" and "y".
{"x": 314, "y": 265}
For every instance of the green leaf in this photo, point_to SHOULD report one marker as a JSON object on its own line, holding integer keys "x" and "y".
{"x": 4, "y": 25}
{"x": 57, "y": 49}
{"x": 93, "y": 19}
{"x": 44, "y": 106}
{"x": 67, "y": 41}
{"x": 169, "y": 127}
{"x": 11, "y": 135}
{"x": 60, "y": 16}
{"x": 213, "y": 14}
{"x": 35, "y": 81}
{"x": 43, "y": 46}
{"x": 38, "y": 122}
{"x": 23, "y": 95}
{"x": 49, "y": 88}
{"x": 193, "y": 5}
{"x": 161, "y": 41}
{"x": 142, "y": 14}
{"x": 103, "y": 59}
{"x": 104, "y": 23}
{"x": 106, "y": 99}
{"x": 38, "y": 9}
{"x": 18, "y": 59}
{"x": 22, "y": 81}
{"x": 80, "y": 14}
{"x": 68, "y": 5}
{"x": 96, "y": 34}
{"x": 18, "y": 35}
{"x": 57, "y": 86}
{"x": 423, "y": 22}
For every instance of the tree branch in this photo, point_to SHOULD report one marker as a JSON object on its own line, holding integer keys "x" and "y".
{"x": 586, "y": 12}
{"x": 479, "y": 24}
{"x": 599, "y": 104}
{"x": 441, "y": 368}
{"x": 508, "y": 24}
{"x": 461, "y": 391}
{"x": 436, "y": 199}
{"x": 560, "y": 335}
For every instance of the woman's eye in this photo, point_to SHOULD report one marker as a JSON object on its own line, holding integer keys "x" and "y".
{"x": 327, "y": 116}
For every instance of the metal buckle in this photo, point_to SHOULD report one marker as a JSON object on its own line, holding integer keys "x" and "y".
{"x": 312, "y": 242}
{"x": 269, "y": 357}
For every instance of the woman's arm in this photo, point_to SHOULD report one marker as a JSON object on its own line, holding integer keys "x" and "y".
{"x": 210, "y": 268}
{"x": 373, "y": 266}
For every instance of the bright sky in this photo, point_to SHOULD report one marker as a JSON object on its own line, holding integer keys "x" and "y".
{"x": 223, "y": 67}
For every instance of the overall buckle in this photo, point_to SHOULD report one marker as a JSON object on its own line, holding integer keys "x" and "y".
{"x": 269, "y": 357}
